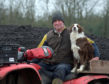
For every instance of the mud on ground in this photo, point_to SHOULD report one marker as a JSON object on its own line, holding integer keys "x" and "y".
{"x": 30, "y": 37}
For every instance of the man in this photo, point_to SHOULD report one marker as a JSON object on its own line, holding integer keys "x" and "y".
{"x": 58, "y": 39}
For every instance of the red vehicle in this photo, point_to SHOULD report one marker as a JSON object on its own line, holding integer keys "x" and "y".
{"x": 28, "y": 74}
{"x": 24, "y": 73}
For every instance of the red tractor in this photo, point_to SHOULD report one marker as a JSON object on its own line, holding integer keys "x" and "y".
{"x": 14, "y": 72}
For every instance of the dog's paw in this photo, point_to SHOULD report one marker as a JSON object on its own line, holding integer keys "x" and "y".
{"x": 75, "y": 47}
{"x": 78, "y": 47}
{"x": 81, "y": 68}
{"x": 73, "y": 70}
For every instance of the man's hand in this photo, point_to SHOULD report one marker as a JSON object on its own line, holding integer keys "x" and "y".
{"x": 95, "y": 58}
{"x": 39, "y": 53}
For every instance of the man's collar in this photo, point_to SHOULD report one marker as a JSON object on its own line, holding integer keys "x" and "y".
{"x": 59, "y": 32}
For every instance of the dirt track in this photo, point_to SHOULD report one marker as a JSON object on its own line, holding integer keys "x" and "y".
{"x": 30, "y": 37}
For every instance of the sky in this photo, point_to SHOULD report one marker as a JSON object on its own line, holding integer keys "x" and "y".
{"x": 99, "y": 6}
{"x": 41, "y": 6}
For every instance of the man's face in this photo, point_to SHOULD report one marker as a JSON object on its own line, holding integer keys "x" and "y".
{"x": 58, "y": 24}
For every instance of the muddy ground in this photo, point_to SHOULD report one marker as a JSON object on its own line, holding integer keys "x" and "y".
{"x": 29, "y": 37}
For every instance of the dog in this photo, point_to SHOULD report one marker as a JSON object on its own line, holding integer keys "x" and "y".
{"x": 83, "y": 51}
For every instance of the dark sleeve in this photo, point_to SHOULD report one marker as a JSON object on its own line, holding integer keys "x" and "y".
{"x": 45, "y": 43}
{"x": 96, "y": 51}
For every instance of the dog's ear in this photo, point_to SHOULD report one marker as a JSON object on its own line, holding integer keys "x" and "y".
{"x": 80, "y": 28}
{"x": 70, "y": 28}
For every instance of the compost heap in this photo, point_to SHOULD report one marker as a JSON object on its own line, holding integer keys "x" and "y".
{"x": 30, "y": 37}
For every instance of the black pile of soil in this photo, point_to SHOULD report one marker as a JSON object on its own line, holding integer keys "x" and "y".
{"x": 24, "y": 35}
{"x": 30, "y": 37}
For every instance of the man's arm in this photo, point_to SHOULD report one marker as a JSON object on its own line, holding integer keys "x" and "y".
{"x": 96, "y": 50}
{"x": 43, "y": 41}
{"x": 96, "y": 53}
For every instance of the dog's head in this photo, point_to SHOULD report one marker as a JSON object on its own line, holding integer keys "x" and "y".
{"x": 76, "y": 28}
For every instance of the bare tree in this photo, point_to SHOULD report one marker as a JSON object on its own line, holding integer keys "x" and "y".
{"x": 1, "y": 10}
{"x": 75, "y": 10}
{"x": 106, "y": 18}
